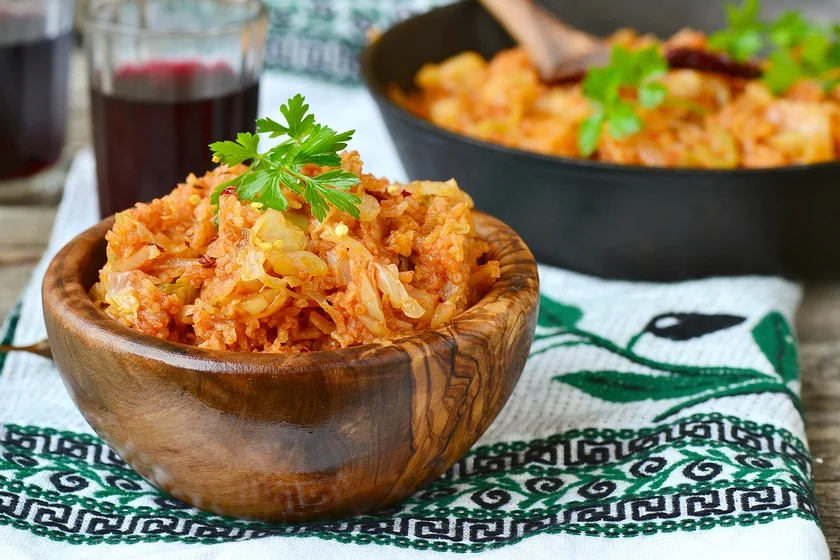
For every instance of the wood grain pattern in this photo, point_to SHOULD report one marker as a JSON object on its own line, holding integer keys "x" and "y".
{"x": 267, "y": 436}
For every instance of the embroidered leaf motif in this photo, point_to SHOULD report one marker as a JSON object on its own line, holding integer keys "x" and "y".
{"x": 555, "y": 314}
{"x": 775, "y": 338}
{"x": 685, "y": 326}
{"x": 622, "y": 387}
{"x": 751, "y": 388}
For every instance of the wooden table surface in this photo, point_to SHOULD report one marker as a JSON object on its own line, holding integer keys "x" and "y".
{"x": 25, "y": 229}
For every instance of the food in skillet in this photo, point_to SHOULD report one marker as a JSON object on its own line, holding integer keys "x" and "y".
{"x": 297, "y": 251}
{"x": 690, "y": 101}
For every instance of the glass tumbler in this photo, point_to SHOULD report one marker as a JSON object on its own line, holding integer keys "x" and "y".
{"x": 168, "y": 78}
{"x": 36, "y": 39}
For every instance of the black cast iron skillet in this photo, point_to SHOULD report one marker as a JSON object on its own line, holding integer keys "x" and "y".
{"x": 603, "y": 219}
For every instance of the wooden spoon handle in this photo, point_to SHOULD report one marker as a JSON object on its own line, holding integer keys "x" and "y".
{"x": 554, "y": 47}
{"x": 39, "y": 348}
{"x": 522, "y": 21}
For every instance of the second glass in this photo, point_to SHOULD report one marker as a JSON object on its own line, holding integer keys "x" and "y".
{"x": 35, "y": 44}
{"x": 167, "y": 78}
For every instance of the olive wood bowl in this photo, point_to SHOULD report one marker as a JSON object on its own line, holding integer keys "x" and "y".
{"x": 292, "y": 437}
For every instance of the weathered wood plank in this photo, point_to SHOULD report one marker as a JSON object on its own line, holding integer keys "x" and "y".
{"x": 818, "y": 325}
{"x": 828, "y": 500}
{"x": 819, "y": 316}
{"x": 24, "y": 232}
{"x": 25, "y": 226}
{"x": 12, "y": 281}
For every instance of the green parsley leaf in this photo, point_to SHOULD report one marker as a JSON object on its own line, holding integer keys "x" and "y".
{"x": 832, "y": 55}
{"x": 316, "y": 201}
{"x": 747, "y": 44}
{"x": 590, "y": 132}
{"x": 799, "y": 48}
{"x": 743, "y": 38}
{"x": 300, "y": 123}
{"x": 339, "y": 179}
{"x": 745, "y": 16}
{"x": 271, "y": 127}
{"x": 326, "y": 160}
{"x": 234, "y": 153}
{"x": 652, "y": 95}
{"x": 608, "y": 88}
{"x": 282, "y": 166}
{"x": 261, "y": 186}
{"x": 345, "y": 201}
{"x": 804, "y": 50}
{"x": 323, "y": 140}
{"x": 601, "y": 84}
{"x": 623, "y": 121}
{"x": 291, "y": 181}
{"x": 813, "y": 52}
{"x": 789, "y": 29}
{"x": 783, "y": 70}
{"x": 649, "y": 64}
{"x": 335, "y": 182}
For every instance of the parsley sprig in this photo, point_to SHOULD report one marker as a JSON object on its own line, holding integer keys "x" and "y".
{"x": 610, "y": 92}
{"x": 268, "y": 172}
{"x": 802, "y": 50}
{"x": 744, "y": 36}
{"x": 797, "y": 48}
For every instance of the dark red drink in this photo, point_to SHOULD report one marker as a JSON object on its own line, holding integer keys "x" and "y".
{"x": 155, "y": 127}
{"x": 33, "y": 98}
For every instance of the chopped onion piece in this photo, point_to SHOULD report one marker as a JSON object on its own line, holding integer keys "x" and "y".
{"x": 298, "y": 263}
{"x": 369, "y": 208}
{"x": 433, "y": 188}
{"x": 139, "y": 259}
{"x": 273, "y": 229}
{"x": 388, "y": 279}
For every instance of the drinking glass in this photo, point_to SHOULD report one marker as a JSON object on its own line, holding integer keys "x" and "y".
{"x": 36, "y": 38}
{"x": 167, "y": 78}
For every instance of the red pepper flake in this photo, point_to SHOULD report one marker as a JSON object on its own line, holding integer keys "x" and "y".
{"x": 207, "y": 261}
{"x": 229, "y": 190}
{"x": 705, "y": 61}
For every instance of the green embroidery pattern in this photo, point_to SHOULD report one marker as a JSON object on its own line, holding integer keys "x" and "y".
{"x": 9, "y": 332}
{"x": 692, "y": 384}
{"x": 323, "y": 38}
{"x": 696, "y": 473}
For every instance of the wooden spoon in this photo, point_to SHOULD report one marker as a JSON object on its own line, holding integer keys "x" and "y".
{"x": 563, "y": 53}
{"x": 558, "y": 50}
{"x": 39, "y": 348}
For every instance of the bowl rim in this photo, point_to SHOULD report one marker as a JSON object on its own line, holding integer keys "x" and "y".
{"x": 64, "y": 296}
{"x": 376, "y": 87}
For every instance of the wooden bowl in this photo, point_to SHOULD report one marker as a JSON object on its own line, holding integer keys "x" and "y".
{"x": 296, "y": 437}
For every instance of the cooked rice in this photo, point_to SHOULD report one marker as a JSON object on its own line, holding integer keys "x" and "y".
{"x": 269, "y": 281}
{"x": 708, "y": 121}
